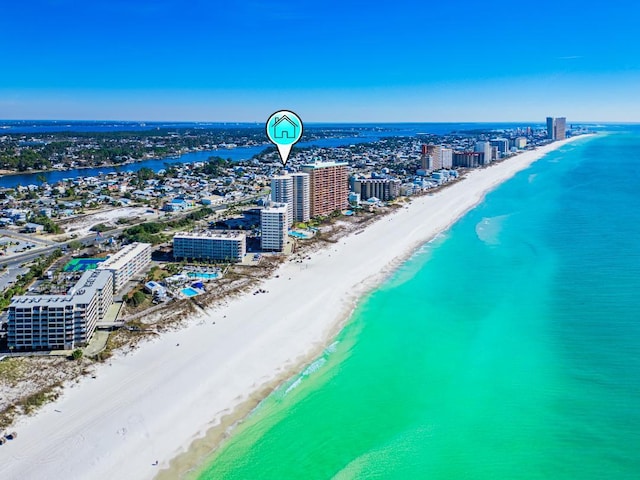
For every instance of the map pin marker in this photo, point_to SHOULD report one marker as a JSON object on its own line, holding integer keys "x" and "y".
{"x": 284, "y": 129}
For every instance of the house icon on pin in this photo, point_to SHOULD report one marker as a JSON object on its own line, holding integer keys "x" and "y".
{"x": 284, "y": 127}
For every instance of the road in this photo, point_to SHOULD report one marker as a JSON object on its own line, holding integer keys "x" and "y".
{"x": 25, "y": 237}
{"x": 14, "y": 261}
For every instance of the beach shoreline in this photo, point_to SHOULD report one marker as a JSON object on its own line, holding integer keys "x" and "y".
{"x": 159, "y": 402}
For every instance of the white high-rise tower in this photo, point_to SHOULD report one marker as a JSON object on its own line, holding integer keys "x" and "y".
{"x": 282, "y": 192}
{"x": 301, "y": 197}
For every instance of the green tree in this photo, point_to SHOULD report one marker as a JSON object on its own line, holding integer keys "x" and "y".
{"x": 145, "y": 173}
{"x": 74, "y": 245}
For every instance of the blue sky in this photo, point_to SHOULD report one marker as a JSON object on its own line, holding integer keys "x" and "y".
{"x": 328, "y": 61}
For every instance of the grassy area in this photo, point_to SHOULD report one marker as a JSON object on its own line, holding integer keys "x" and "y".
{"x": 12, "y": 370}
{"x": 34, "y": 401}
{"x": 27, "y": 383}
{"x": 8, "y": 416}
{"x": 138, "y": 300}
{"x": 156, "y": 274}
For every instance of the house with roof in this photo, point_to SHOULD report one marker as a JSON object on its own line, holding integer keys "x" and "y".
{"x": 33, "y": 228}
{"x": 178, "y": 205}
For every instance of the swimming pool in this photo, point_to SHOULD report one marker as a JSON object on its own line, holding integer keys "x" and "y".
{"x": 205, "y": 275}
{"x": 295, "y": 234}
{"x": 190, "y": 292}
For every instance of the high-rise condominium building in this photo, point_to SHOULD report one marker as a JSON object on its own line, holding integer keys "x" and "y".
{"x": 384, "y": 189}
{"x": 561, "y": 128}
{"x": 485, "y": 149}
{"x": 431, "y": 157}
{"x": 446, "y": 156}
{"x": 301, "y": 197}
{"x": 282, "y": 192}
{"x": 60, "y": 322}
{"x": 556, "y": 128}
{"x": 467, "y": 159}
{"x": 551, "y": 128}
{"x": 274, "y": 226}
{"x": 329, "y": 187}
{"x": 435, "y": 157}
{"x": 502, "y": 144}
{"x": 294, "y": 190}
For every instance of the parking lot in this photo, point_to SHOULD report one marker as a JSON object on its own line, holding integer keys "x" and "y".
{"x": 10, "y": 246}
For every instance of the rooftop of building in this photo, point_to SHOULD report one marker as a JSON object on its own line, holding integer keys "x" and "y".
{"x": 316, "y": 165}
{"x": 120, "y": 259}
{"x": 275, "y": 208}
{"x": 80, "y": 293}
{"x": 212, "y": 234}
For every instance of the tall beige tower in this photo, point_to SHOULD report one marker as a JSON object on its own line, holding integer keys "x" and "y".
{"x": 329, "y": 187}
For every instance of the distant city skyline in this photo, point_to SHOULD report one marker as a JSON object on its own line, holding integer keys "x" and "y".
{"x": 408, "y": 62}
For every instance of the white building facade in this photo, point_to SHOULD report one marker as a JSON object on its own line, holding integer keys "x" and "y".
{"x": 60, "y": 322}
{"x": 273, "y": 223}
{"x": 282, "y": 192}
{"x": 301, "y": 197}
{"x": 210, "y": 245}
{"x": 485, "y": 149}
{"x": 446, "y": 157}
{"x": 124, "y": 264}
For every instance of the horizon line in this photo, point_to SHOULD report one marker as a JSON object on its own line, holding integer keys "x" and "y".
{"x": 341, "y": 122}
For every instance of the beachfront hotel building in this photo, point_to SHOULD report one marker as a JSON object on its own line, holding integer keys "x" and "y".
{"x": 301, "y": 197}
{"x": 274, "y": 227}
{"x": 431, "y": 159}
{"x": 468, "y": 159}
{"x": 384, "y": 189}
{"x": 502, "y": 144}
{"x": 126, "y": 263}
{"x": 222, "y": 246}
{"x": 561, "y": 128}
{"x": 556, "y": 128}
{"x": 551, "y": 128}
{"x": 485, "y": 149}
{"x": 520, "y": 142}
{"x": 329, "y": 187}
{"x": 446, "y": 157}
{"x": 435, "y": 157}
{"x": 282, "y": 192}
{"x": 60, "y": 322}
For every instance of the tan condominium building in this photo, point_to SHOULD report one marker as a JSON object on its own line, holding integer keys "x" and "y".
{"x": 384, "y": 189}
{"x": 556, "y": 128}
{"x": 329, "y": 187}
{"x": 126, "y": 263}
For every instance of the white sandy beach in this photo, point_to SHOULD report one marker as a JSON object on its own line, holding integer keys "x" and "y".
{"x": 151, "y": 404}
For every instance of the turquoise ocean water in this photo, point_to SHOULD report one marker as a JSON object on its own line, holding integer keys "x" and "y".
{"x": 507, "y": 348}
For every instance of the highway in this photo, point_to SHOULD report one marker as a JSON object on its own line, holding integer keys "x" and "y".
{"x": 14, "y": 261}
